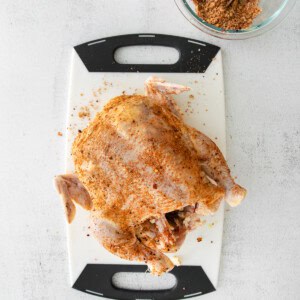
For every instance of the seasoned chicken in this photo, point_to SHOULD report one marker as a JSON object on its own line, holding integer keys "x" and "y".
{"x": 146, "y": 176}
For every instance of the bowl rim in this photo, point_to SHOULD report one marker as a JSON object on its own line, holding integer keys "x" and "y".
{"x": 266, "y": 25}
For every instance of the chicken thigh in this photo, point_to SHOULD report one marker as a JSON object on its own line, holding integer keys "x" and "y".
{"x": 146, "y": 176}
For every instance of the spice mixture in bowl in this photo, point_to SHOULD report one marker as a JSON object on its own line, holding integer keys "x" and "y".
{"x": 228, "y": 14}
{"x": 235, "y": 19}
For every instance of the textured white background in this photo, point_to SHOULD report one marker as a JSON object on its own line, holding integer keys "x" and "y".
{"x": 261, "y": 257}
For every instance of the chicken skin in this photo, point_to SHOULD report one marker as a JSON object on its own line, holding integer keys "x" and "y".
{"x": 146, "y": 176}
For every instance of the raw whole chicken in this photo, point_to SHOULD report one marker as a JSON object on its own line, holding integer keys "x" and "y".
{"x": 146, "y": 176}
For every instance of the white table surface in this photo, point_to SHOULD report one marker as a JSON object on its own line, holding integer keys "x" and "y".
{"x": 260, "y": 256}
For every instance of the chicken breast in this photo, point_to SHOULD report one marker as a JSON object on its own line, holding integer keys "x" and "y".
{"x": 146, "y": 176}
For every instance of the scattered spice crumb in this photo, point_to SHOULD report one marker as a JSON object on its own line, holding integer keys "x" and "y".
{"x": 196, "y": 81}
{"x": 199, "y": 239}
{"x": 79, "y": 131}
{"x": 87, "y": 235}
{"x": 211, "y": 242}
{"x": 81, "y": 94}
{"x": 123, "y": 92}
{"x": 59, "y": 133}
{"x": 210, "y": 225}
{"x": 192, "y": 97}
{"x": 84, "y": 113}
{"x": 206, "y": 109}
{"x": 203, "y": 124}
{"x": 216, "y": 138}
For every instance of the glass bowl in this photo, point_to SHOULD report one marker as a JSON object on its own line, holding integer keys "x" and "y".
{"x": 273, "y": 12}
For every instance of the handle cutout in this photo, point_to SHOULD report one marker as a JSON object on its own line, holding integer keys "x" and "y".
{"x": 138, "y": 281}
{"x": 149, "y": 55}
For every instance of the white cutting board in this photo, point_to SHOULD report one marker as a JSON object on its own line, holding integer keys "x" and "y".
{"x": 203, "y": 107}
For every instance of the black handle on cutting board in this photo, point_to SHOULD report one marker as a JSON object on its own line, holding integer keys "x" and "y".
{"x": 96, "y": 279}
{"x": 194, "y": 56}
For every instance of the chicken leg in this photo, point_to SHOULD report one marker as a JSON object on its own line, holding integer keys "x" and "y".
{"x": 214, "y": 165}
{"x": 124, "y": 243}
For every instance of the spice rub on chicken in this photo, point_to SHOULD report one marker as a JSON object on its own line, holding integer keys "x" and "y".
{"x": 146, "y": 176}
